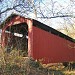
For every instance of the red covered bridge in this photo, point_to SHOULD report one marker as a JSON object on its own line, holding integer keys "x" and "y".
{"x": 43, "y": 42}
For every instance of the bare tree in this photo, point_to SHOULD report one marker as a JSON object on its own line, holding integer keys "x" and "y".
{"x": 41, "y": 10}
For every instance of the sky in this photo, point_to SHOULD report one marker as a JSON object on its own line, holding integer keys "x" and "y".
{"x": 45, "y": 7}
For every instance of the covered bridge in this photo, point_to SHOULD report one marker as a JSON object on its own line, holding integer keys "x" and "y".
{"x": 41, "y": 41}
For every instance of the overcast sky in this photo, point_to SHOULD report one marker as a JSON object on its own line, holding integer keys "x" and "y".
{"x": 45, "y": 6}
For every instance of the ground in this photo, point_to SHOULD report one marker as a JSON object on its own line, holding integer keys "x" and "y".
{"x": 14, "y": 64}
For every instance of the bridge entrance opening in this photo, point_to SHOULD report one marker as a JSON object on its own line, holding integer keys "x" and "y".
{"x": 17, "y": 38}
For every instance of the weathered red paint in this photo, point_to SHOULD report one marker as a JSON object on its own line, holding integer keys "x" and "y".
{"x": 18, "y": 20}
{"x": 30, "y": 38}
{"x": 42, "y": 45}
{"x": 51, "y": 48}
{"x": 13, "y": 21}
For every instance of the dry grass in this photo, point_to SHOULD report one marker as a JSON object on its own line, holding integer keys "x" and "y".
{"x": 14, "y": 64}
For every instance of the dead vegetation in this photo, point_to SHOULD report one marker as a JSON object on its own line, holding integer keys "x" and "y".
{"x": 14, "y": 63}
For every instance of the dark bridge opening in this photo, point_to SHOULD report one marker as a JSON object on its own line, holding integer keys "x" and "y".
{"x": 17, "y": 38}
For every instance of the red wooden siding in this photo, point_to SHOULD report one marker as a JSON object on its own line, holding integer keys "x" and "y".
{"x": 51, "y": 48}
{"x": 12, "y": 21}
{"x": 42, "y": 45}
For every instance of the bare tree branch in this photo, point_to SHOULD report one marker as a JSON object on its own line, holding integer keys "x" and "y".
{"x": 57, "y": 16}
{"x": 8, "y": 9}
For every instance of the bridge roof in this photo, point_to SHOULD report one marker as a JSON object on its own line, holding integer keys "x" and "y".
{"x": 41, "y": 26}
